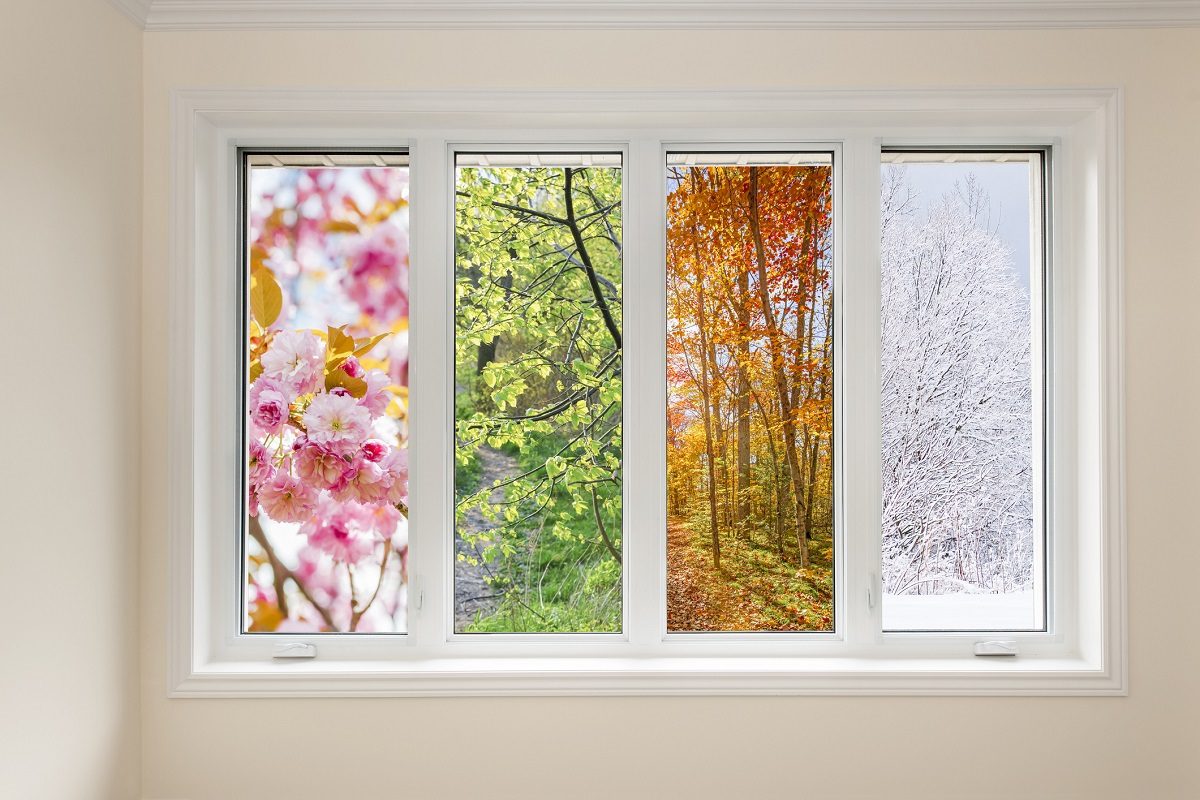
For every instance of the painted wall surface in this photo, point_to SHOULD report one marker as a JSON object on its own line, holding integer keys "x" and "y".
{"x": 70, "y": 256}
{"x": 1144, "y": 746}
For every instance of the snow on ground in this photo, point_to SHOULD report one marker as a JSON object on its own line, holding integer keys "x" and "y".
{"x": 1014, "y": 611}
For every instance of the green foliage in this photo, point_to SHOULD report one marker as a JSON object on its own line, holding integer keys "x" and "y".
{"x": 560, "y": 588}
{"x": 538, "y": 376}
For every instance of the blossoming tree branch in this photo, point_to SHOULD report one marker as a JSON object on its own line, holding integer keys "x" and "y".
{"x": 327, "y": 402}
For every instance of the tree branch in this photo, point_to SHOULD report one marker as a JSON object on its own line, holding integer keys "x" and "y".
{"x": 600, "y": 526}
{"x": 586, "y": 259}
{"x": 256, "y": 531}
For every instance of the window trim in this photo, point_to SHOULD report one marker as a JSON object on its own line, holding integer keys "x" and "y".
{"x": 1086, "y": 653}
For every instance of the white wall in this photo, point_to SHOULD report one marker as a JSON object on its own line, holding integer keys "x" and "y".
{"x": 1143, "y": 746}
{"x": 70, "y": 254}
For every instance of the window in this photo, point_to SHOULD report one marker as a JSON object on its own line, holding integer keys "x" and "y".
{"x": 537, "y": 393}
{"x": 749, "y": 392}
{"x": 631, "y": 397}
{"x": 962, "y": 404}
{"x": 326, "y": 421}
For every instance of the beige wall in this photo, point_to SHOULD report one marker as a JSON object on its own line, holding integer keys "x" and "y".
{"x": 1143, "y": 746}
{"x": 70, "y": 253}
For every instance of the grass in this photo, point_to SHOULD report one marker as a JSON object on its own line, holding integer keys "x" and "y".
{"x": 556, "y": 584}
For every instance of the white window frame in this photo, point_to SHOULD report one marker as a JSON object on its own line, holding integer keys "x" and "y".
{"x": 1083, "y": 651}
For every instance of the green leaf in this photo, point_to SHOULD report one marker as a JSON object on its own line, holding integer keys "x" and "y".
{"x": 555, "y": 466}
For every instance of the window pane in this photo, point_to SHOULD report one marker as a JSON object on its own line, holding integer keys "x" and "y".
{"x": 326, "y": 540}
{"x": 962, "y": 245}
{"x": 538, "y": 393}
{"x": 749, "y": 392}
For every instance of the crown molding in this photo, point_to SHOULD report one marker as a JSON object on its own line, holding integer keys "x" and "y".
{"x": 136, "y": 10}
{"x": 177, "y": 15}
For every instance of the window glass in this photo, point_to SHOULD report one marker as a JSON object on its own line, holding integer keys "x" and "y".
{"x": 962, "y": 251}
{"x": 326, "y": 402}
{"x": 749, "y": 392}
{"x": 537, "y": 393}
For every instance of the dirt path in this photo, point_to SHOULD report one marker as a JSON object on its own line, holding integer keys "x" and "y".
{"x": 472, "y": 594}
{"x": 753, "y": 591}
{"x": 697, "y": 598}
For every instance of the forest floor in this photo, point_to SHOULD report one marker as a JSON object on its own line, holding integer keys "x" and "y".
{"x": 474, "y": 597}
{"x": 754, "y": 590}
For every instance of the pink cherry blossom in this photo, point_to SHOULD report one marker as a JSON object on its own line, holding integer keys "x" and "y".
{"x": 286, "y": 499}
{"x": 269, "y": 411}
{"x": 320, "y": 466}
{"x": 338, "y": 530}
{"x": 388, "y": 183}
{"x": 316, "y": 571}
{"x": 261, "y": 469}
{"x": 333, "y": 419}
{"x": 365, "y": 482}
{"x": 383, "y": 519}
{"x": 377, "y": 398}
{"x": 295, "y": 359}
{"x": 396, "y": 465}
{"x": 338, "y": 469}
{"x": 377, "y": 279}
{"x": 352, "y": 368}
{"x": 374, "y": 450}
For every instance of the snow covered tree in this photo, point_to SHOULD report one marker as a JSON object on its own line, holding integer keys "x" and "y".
{"x": 957, "y": 399}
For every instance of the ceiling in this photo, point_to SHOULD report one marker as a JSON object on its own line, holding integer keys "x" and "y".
{"x": 158, "y": 15}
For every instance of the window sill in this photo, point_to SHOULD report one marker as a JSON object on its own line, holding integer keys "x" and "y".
{"x": 653, "y": 676}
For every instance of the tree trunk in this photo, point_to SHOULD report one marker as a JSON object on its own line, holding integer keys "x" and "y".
{"x": 777, "y": 365}
{"x": 776, "y": 478}
{"x": 705, "y": 390}
{"x": 742, "y": 490}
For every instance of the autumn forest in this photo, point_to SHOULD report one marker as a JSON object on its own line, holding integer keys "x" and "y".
{"x": 750, "y": 395}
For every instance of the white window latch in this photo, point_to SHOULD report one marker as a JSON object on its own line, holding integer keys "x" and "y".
{"x": 295, "y": 650}
{"x": 996, "y": 648}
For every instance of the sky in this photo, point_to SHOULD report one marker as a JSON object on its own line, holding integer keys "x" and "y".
{"x": 1006, "y": 184}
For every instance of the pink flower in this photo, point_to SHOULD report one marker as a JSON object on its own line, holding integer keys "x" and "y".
{"x": 315, "y": 571}
{"x": 396, "y": 464}
{"x": 374, "y": 450}
{"x": 295, "y": 359}
{"x": 261, "y": 469}
{"x": 388, "y": 183}
{"x": 352, "y": 368}
{"x": 365, "y": 482}
{"x": 384, "y": 519}
{"x": 269, "y": 410}
{"x": 338, "y": 530}
{"x": 336, "y": 419}
{"x": 376, "y": 399}
{"x": 319, "y": 466}
{"x": 286, "y": 499}
{"x": 377, "y": 279}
